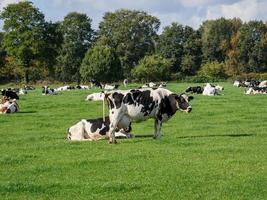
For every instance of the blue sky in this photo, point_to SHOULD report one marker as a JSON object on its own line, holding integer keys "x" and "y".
{"x": 186, "y": 12}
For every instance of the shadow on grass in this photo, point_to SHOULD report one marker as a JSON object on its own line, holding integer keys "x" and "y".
{"x": 225, "y": 135}
{"x": 26, "y": 112}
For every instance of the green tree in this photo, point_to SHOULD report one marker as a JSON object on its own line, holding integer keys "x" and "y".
{"x": 251, "y": 46}
{"x": 132, "y": 35}
{"x": 213, "y": 71}
{"x": 152, "y": 68}
{"x": 23, "y": 25}
{"x": 77, "y": 38}
{"x": 215, "y": 35}
{"x": 101, "y": 63}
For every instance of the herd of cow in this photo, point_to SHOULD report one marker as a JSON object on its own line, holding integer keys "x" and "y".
{"x": 148, "y": 101}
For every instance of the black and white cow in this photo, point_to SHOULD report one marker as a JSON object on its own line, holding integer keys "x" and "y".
{"x": 95, "y": 83}
{"x": 9, "y": 94}
{"x": 8, "y": 105}
{"x": 256, "y": 90}
{"x": 195, "y": 90}
{"x": 141, "y": 104}
{"x": 96, "y": 129}
{"x": 48, "y": 91}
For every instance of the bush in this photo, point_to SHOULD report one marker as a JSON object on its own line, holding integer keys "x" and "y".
{"x": 213, "y": 71}
{"x": 152, "y": 68}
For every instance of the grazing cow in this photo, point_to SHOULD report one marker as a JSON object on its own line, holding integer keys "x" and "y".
{"x": 96, "y": 129}
{"x": 95, "y": 83}
{"x": 212, "y": 90}
{"x": 111, "y": 87}
{"x": 10, "y": 94}
{"x": 8, "y": 106}
{"x": 125, "y": 82}
{"x": 195, "y": 90}
{"x": 256, "y": 90}
{"x": 96, "y": 97}
{"x": 141, "y": 104}
{"x": 263, "y": 84}
{"x": 48, "y": 91}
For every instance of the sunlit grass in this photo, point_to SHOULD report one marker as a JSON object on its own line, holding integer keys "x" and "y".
{"x": 216, "y": 152}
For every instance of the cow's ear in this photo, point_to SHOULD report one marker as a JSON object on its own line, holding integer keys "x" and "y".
{"x": 190, "y": 98}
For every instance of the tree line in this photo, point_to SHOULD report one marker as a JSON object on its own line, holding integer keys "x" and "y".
{"x": 126, "y": 45}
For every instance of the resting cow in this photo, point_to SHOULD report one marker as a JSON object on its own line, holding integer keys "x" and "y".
{"x": 10, "y": 94}
{"x": 8, "y": 106}
{"x": 195, "y": 90}
{"x": 96, "y": 129}
{"x": 141, "y": 104}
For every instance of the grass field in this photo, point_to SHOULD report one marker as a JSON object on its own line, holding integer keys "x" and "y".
{"x": 216, "y": 152}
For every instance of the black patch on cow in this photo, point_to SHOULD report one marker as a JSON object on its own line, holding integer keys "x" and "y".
{"x": 117, "y": 99}
{"x": 168, "y": 106}
{"x": 196, "y": 89}
{"x": 10, "y": 94}
{"x": 98, "y": 123}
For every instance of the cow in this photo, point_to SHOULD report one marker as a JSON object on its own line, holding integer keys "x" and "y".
{"x": 83, "y": 87}
{"x": 263, "y": 84}
{"x": 8, "y": 106}
{"x": 9, "y": 94}
{"x": 163, "y": 84}
{"x": 64, "y": 88}
{"x": 256, "y": 90}
{"x": 125, "y": 82}
{"x": 149, "y": 85}
{"x": 141, "y": 104}
{"x": 96, "y": 129}
{"x": 111, "y": 87}
{"x": 48, "y": 91}
{"x": 95, "y": 83}
{"x": 212, "y": 90}
{"x": 195, "y": 90}
{"x": 95, "y": 97}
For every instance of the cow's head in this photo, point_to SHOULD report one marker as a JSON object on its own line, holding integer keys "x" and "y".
{"x": 183, "y": 102}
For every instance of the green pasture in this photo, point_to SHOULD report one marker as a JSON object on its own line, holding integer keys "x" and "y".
{"x": 218, "y": 151}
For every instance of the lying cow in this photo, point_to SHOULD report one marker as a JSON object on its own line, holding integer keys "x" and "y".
{"x": 111, "y": 87}
{"x": 48, "y": 91}
{"x": 96, "y": 96}
{"x": 8, "y": 106}
{"x": 82, "y": 87}
{"x": 125, "y": 82}
{"x": 149, "y": 85}
{"x": 195, "y": 90}
{"x": 96, "y": 129}
{"x": 212, "y": 90}
{"x": 263, "y": 84}
{"x": 141, "y": 104}
{"x": 9, "y": 94}
{"x": 256, "y": 90}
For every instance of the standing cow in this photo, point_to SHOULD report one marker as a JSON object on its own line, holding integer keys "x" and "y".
{"x": 141, "y": 104}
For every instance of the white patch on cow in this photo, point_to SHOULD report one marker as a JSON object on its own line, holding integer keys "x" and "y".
{"x": 263, "y": 84}
{"x": 96, "y": 97}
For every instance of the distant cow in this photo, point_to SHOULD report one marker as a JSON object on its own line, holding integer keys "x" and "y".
{"x": 195, "y": 90}
{"x": 111, "y": 87}
{"x": 9, "y": 94}
{"x": 96, "y": 97}
{"x": 125, "y": 82}
{"x": 8, "y": 106}
{"x": 96, "y": 129}
{"x": 48, "y": 91}
{"x": 256, "y": 90}
{"x": 95, "y": 83}
{"x": 212, "y": 90}
{"x": 263, "y": 84}
{"x": 141, "y": 104}
{"x": 149, "y": 85}
{"x": 83, "y": 87}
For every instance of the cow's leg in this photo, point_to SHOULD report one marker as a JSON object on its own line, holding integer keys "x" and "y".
{"x": 157, "y": 127}
{"x": 115, "y": 116}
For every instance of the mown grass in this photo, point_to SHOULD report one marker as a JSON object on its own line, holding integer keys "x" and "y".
{"x": 216, "y": 152}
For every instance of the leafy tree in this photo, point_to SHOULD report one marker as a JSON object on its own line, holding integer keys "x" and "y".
{"x": 77, "y": 38}
{"x": 213, "y": 71}
{"x": 215, "y": 35}
{"x": 183, "y": 46}
{"x": 251, "y": 46}
{"x": 101, "y": 63}
{"x": 170, "y": 44}
{"x": 23, "y": 25}
{"x": 132, "y": 35}
{"x": 152, "y": 68}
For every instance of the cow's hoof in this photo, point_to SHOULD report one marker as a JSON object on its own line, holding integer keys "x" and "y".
{"x": 112, "y": 142}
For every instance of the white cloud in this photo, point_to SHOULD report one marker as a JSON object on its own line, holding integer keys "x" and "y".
{"x": 4, "y": 3}
{"x": 245, "y": 10}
